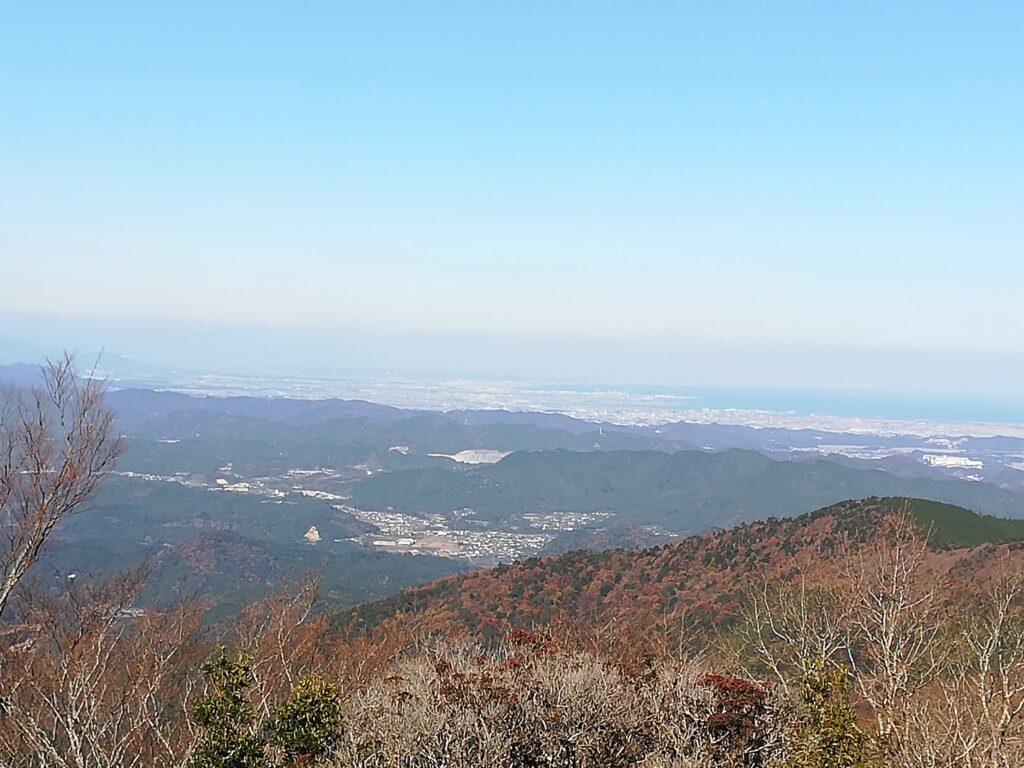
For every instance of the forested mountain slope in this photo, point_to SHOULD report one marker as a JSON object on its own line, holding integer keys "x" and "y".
{"x": 685, "y": 492}
{"x": 707, "y": 578}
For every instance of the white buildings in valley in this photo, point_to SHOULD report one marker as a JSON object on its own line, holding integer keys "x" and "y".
{"x": 948, "y": 461}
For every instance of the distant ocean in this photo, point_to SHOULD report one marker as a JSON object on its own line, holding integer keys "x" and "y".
{"x": 625, "y": 404}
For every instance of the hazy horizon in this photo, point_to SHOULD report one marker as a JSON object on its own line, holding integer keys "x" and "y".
{"x": 411, "y": 374}
{"x": 653, "y": 362}
{"x": 808, "y": 197}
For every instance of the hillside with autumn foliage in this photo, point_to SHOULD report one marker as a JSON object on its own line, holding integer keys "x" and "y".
{"x": 705, "y": 580}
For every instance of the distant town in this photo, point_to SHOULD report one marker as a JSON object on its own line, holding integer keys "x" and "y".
{"x": 454, "y": 535}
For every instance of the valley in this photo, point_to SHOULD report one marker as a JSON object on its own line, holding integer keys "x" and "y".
{"x": 232, "y": 496}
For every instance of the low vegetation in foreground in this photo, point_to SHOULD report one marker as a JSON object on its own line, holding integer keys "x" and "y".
{"x": 887, "y": 652}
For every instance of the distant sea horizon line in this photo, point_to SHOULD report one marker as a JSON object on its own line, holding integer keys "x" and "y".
{"x": 870, "y": 411}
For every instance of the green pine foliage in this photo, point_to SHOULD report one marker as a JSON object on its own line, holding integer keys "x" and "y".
{"x": 829, "y": 737}
{"x": 302, "y": 731}
{"x": 307, "y": 727}
{"x": 227, "y": 721}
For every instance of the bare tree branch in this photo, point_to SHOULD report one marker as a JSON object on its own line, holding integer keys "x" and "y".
{"x": 57, "y": 444}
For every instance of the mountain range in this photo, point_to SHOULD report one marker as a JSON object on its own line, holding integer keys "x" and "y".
{"x": 219, "y": 494}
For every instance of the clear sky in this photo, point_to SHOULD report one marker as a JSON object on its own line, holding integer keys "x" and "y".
{"x": 765, "y": 193}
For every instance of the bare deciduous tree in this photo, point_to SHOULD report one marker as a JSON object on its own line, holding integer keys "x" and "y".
{"x": 89, "y": 683}
{"x": 973, "y": 717}
{"x": 285, "y": 640}
{"x": 895, "y": 623}
{"x": 997, "y": 642}
{"x": 57, "y": 443}
{"x": 790, "y": 628}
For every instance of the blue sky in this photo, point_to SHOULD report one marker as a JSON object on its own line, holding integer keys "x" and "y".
{"x": 664, "y": 192}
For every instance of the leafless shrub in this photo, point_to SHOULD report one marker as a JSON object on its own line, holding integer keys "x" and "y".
{"x": 90, "y": 683}
{"x": 531, "y": 704}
